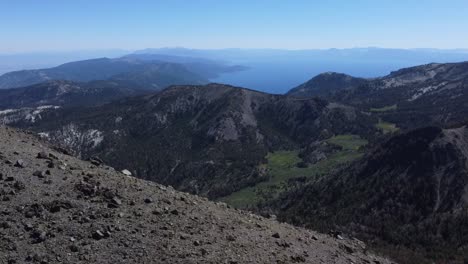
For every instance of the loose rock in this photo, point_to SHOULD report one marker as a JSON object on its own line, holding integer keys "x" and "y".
{"x": 20, "y": 163}
{"x": 127, "y": 172}
{"x": 98, "y": 235}
{"x": 42, "y": 155}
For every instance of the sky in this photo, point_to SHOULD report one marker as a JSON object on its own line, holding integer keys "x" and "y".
{"x": 61, "y": 25}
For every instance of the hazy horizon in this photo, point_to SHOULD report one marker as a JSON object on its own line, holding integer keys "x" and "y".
{"x": 127, "y": 51}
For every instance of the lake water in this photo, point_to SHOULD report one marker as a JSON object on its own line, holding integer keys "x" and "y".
{"x": 280, "y": 76}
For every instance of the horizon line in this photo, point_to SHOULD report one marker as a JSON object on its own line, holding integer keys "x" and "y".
{"x": 221, "y": 49}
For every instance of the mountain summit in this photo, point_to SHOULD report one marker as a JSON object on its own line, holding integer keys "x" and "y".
{"x": 326, "y": 83}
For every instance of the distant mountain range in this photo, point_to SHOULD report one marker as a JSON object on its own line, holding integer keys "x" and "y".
{"x": 204, "y": 67}
{"x": 46, "y": 59}
{"x": 146, "y": 71}
{"x": 267, "y": 70}
{"x": 370, "y": 53}
{"x": 276, "y": 71}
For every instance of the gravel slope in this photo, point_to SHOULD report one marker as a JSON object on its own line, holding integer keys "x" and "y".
{"x": 57, "y": 209}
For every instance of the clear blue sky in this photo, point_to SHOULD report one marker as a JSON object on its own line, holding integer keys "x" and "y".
{"x": 32, "y": 25}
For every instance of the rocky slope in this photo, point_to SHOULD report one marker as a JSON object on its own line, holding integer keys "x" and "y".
{"x": 408, "y": 196}
{"x": 210, "y": 140}
{"x": 58, "y": 209}
{"x": 434, "y": 94}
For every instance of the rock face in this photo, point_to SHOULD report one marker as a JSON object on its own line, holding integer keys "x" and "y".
{"x": 435, "y": 94}
{"x": 207, "y": 140}
{"x": 83, "y": 213}
{"x": 410, "y": 190}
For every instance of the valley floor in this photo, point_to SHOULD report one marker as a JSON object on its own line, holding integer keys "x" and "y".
{"x": 285, "y": 172}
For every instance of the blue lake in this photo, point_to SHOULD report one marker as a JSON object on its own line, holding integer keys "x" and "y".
{"x": 280, "y": 76}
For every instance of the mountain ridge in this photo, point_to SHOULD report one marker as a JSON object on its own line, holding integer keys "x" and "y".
{"x": 433, "y": 94}
{"x": 409, "y": 190}
{"x": 210, "y": 134}
{"x": 67, "y": 94}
